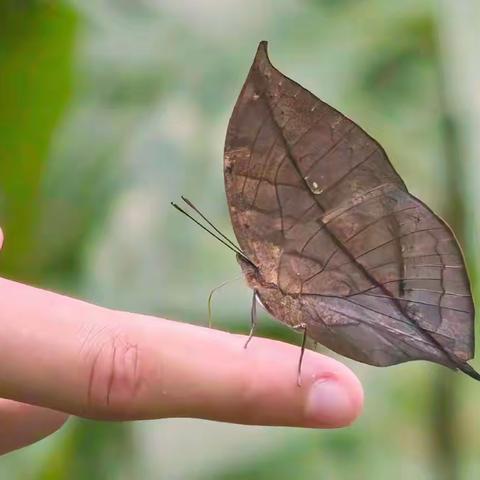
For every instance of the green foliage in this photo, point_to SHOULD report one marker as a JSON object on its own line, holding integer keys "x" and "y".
{"x": 91, "y": 450}
{"x": 36, "y": 44}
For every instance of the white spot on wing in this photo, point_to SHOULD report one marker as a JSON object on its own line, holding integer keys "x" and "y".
{"x": 315, "y": 188}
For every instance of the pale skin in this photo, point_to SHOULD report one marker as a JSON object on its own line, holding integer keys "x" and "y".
{"x": 60, "y": 356}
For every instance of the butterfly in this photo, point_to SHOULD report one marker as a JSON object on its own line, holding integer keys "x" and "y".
{"x": 330, "y": 240}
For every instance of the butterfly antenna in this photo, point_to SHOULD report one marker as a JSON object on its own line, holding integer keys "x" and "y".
{"x": 193, "y": 207}
{"x": 221, "y": 240}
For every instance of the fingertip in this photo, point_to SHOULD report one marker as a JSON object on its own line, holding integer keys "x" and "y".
{"x": 335, "y": 398}
{"x": 330, "y": 396}
{"x": 1, "y": 238}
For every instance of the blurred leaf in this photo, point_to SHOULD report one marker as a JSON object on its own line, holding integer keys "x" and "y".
{"x": 36, "y": 44}
{"x": 92, "y": 450}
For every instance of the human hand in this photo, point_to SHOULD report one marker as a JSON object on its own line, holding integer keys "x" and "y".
{"x": 62, "y": 356}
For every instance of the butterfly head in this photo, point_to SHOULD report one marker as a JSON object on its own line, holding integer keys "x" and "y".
{"x": 251, "y": 272}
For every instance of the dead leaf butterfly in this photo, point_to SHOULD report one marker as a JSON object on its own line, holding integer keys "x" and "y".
{"x": 330, "y": 239}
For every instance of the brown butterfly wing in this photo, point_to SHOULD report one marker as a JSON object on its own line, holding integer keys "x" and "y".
{"x": 339, "y": 242}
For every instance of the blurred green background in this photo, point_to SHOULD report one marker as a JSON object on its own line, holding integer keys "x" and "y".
{"x": 109, "y": 109}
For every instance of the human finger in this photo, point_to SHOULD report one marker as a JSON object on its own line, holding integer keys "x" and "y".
{"x": 23, "y": 424}
{"x": 79, "y": 358}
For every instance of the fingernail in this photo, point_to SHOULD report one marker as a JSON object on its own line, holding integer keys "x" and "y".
{"x": 329, "y": 404}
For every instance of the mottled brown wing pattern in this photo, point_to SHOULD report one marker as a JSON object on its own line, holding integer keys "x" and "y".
{"x": 317, "y": 206}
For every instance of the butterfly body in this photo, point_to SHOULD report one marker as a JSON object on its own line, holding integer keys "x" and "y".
{"x": 335, "y": 240}
{"x": 288, "y": 308}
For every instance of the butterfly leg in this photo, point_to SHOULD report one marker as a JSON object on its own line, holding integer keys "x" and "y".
{"x": 253, "y": 318}
{"x": 301, "y": 326}
{"x": 211, "y": 296}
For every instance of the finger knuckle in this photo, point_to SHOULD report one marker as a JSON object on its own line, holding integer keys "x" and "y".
{"x": 113, "y": 375}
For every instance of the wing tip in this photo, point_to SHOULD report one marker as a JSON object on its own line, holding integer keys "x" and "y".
{"x": 470, "y": 371}
{"x": 262, "y": 53}
{"x": 262, "y": 47}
